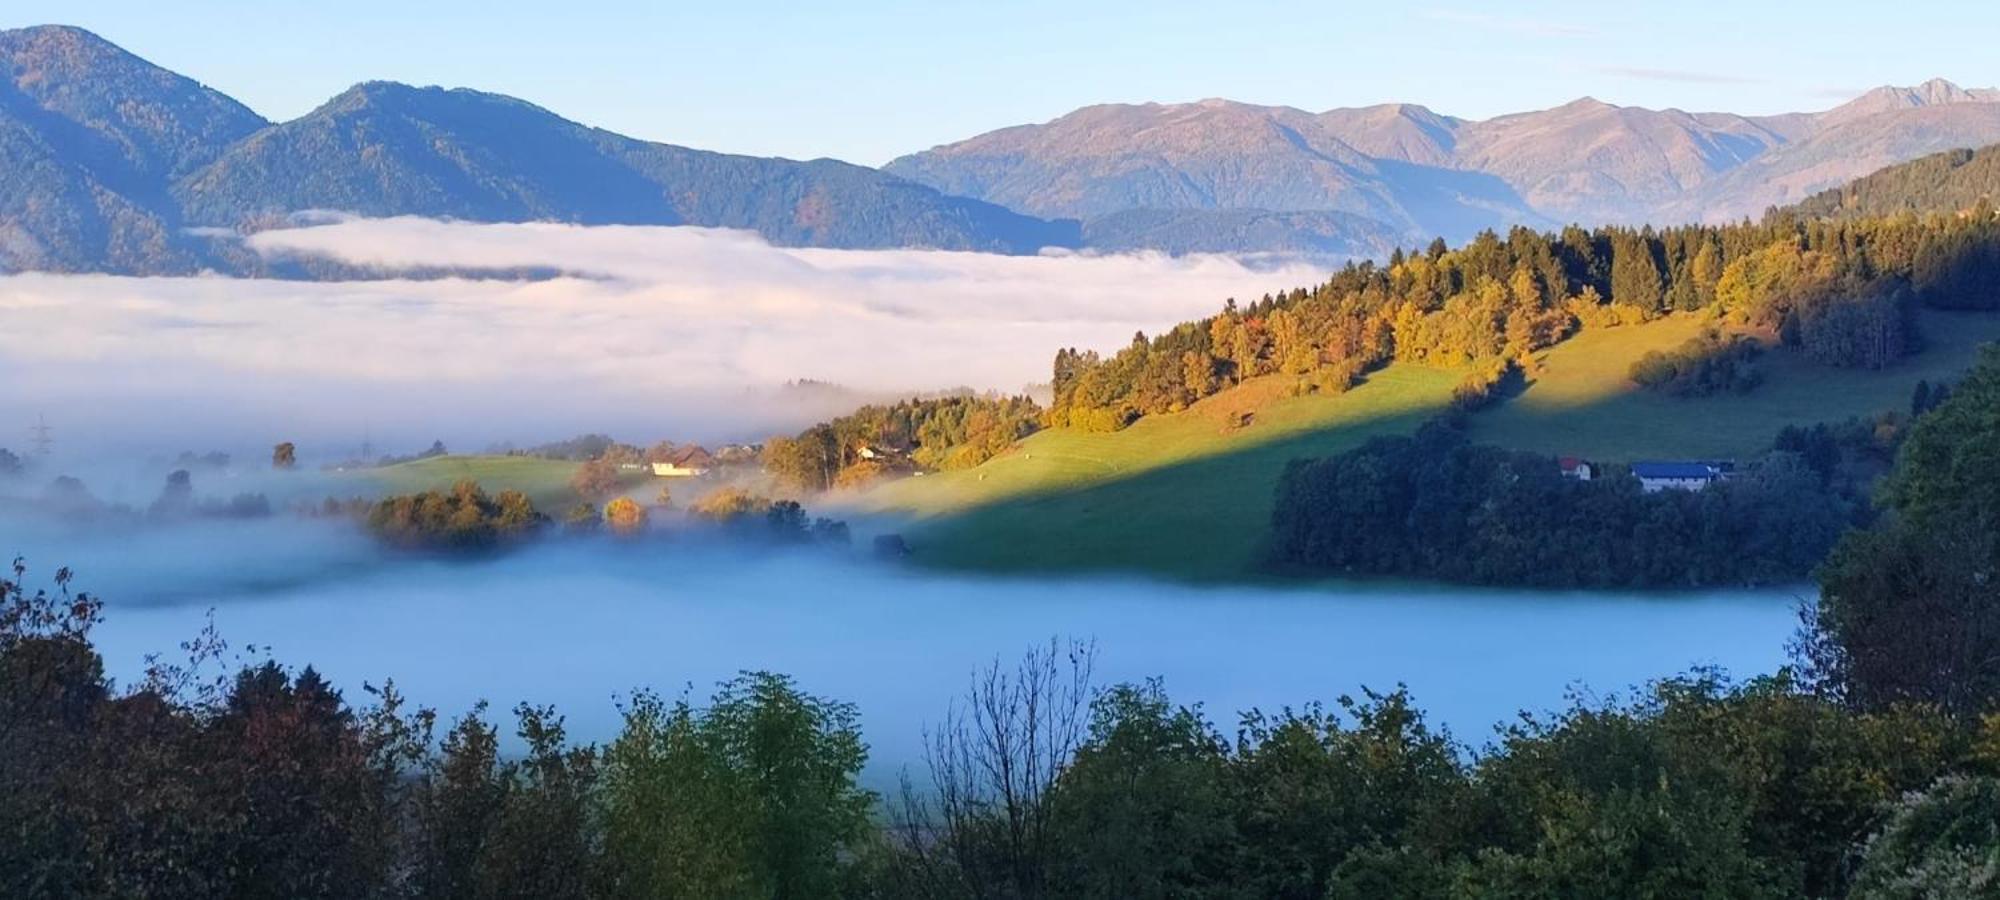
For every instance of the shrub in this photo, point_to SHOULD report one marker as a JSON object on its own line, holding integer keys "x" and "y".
{"x": 1706, "y": 364}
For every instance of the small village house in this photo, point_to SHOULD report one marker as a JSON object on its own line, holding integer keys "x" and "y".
{"x": 686, "y": 462}
{"x": 1575, "y": 467}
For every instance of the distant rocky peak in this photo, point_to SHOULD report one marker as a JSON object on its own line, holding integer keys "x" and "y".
{"x": 1890, "y": 98}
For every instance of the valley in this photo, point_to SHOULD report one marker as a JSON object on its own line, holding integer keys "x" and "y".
{"x": 427, "y": 472}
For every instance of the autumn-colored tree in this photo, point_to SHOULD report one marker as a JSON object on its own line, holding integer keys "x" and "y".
{"x": 284, "y": 456}
{"x": 464, "y": 519}
{"x": 595, "y": 479}
{"x": 728, "y": 505}
{"x": 625, "y": 516}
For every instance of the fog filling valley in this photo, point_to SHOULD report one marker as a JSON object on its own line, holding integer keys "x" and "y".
{"x": 582, "y": 623}
{"x": 692, "y": 335}
{"x": 683, "y": 332}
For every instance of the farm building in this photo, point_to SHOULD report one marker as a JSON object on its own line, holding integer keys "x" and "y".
{"x": 686, "y": 462}
{"x": 1679, "y": 476}
{"x": 1573, "y": 467}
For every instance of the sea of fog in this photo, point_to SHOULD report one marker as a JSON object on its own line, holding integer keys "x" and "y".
{"x": 581, "y": 624}
{"x": 690, "y": 334}
{"x": 682, "y": 333}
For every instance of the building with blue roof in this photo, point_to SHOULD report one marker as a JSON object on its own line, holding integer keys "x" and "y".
{"x": 1692, "y": 475}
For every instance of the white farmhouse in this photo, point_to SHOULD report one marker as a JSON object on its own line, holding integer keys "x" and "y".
{"x": 1678, "y": 476}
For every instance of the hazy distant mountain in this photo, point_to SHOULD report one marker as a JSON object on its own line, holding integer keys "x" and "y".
{"x": 384, "y": 149}
{"x": 1847, "y": 149}
{"x": 1585, "y": 161}
{"x": 105, "y": 160}
{"x": 1593, "y": 162}
{"x": 1215, "y": 154}
{"x": 1182, "y": 231}
{"x": 391, "y": 149}
{"x": 1935, "y": 92}
{"x": 1400, "y": 131}
{"x": 90, "y": 136}
{"x": 110, "y": 163}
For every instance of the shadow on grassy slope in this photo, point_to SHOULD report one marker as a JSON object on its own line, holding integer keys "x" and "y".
{"x": 1182, "y": 496}
{"x": 1199, "y": 509}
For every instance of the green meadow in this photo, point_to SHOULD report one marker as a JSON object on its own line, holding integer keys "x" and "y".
{"x": 1188, "y": 495}
{"x": 545, "y": 481}
{"x": 1581, "y": 404}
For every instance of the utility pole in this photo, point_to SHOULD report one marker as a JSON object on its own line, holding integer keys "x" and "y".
{"x": 41, "y": 441}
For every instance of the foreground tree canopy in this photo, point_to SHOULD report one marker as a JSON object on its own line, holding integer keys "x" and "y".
{"x": 265, "y": 781}
{"x": 1910, "y": 609}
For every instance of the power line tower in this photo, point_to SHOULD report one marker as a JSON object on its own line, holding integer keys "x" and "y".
{"x": 41, "y": 441}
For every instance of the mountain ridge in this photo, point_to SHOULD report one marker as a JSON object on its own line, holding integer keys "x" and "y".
{"x": 1586, "y": 160}
{"x": 1212, "y": 154}
{"x": 111, "y": 161}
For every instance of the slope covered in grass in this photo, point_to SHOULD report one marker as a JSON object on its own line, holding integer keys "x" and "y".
{"x": 1186, "y": 495}
{"x": 545, "y": 481}
{"x": 1581, "y": 402}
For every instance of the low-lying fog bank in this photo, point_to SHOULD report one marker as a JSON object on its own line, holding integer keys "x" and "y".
{"x": 683, "y": 331}
{"x": 579, "y": 624}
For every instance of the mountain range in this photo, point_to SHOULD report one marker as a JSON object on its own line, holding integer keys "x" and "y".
{"x": 1425, "y": 173}
{"x": 110, "y": 163}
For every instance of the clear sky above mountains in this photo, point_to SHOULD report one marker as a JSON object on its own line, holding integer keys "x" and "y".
{"x": 872, "y": 79}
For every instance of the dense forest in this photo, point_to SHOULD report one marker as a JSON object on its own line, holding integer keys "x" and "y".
{"x": 1953, "y": 181}
{"x": 955, "y": 432}
{"x": 1844, "y": 293}
{"x": 1437, "y": 506}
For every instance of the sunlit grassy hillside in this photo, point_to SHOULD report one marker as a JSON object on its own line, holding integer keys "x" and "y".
{"x": 1581, "y": 403}
{"x": 1186, "y": 494}
{"x": 545, "y": 481}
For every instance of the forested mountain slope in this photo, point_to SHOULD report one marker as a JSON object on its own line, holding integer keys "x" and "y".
{"x": 106, "y": 160}
{"x": 1954, "y": 181}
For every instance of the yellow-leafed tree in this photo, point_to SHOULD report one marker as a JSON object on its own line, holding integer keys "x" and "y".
{"x": 625, "y": 516}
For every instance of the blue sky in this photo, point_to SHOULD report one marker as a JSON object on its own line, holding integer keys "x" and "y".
{"x": 866, "y": 80}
